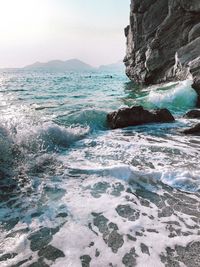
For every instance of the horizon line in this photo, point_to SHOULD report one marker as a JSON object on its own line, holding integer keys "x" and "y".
{"x": 62, "y": 60}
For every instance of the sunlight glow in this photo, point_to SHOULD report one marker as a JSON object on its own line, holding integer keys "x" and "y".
{"x": 42, "y": 30}
{"x": 23, "y": 19}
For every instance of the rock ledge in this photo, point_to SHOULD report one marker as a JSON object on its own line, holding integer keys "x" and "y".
{"x": 163, "y": 41}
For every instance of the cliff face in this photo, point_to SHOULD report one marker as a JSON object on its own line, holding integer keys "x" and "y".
{"x": 163, "y": 41}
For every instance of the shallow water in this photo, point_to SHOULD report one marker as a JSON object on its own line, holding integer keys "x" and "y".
{"x": 74, "y": 193}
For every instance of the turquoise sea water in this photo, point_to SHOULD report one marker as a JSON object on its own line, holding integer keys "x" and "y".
{"x": 74, "y": 193}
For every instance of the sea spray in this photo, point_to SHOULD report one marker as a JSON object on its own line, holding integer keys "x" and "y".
{"x": 94, "y": 118}
{"x": 181, "y": 97}
{"x": 84, "y": 194}
{"x": 177, "y": 97}
{"x": 50, "y": 136}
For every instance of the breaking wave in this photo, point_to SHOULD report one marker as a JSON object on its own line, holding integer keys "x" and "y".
{"x": 177, "y": 97}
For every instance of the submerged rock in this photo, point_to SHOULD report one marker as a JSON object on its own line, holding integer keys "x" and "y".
{"x": 136, "y": 116}
{"x": 163, "y": 41}
{"x": 193, "y": 114}
{"x": 193, "y": 130}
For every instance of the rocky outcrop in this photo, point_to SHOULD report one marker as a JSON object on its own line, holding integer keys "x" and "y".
{"x": 163, "y": 41}
{"x": 193, "y": 114}
{"x": 136, "y": 116}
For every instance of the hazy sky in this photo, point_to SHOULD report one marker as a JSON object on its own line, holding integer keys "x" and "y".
{"x": 41, "y": 30}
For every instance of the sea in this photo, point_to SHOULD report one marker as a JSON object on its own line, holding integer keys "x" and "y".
{"x": 74, "y": 193}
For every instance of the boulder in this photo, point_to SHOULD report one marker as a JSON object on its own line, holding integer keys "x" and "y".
{"x": 137, "y": 115}
{"x": 193, "y": 114}
{"x": 193, "y": 130}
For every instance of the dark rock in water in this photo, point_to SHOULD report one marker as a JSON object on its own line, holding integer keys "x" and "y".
{"x": 193, "y": 114}
{"x": 163, "y": 41}
{"x": 136, "y": 116}
{"x": 193, "y": 130}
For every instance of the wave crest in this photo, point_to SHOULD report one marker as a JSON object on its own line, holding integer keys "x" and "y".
{"x": 93, "y": 118}
{"x": 178, "y": 98}
{"x": 50, "y": 136}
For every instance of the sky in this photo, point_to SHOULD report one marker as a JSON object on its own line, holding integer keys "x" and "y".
{"x": 43, "y": 30}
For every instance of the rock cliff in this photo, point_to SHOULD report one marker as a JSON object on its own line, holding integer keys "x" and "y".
{"x": 163, "y": 41}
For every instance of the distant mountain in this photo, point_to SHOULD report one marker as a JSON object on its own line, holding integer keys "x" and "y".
{"x": 118, "y": 66}
{"x": 68, "y": 65}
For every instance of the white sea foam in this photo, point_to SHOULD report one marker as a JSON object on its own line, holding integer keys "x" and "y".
{"x": 78, "y": 236}
{"x": 64, "y": 188}
{"x": 181, "y": 96}
{"x": 49, "y": 134}
{"x": 182, "y": 179}
{"x": 177, "y": 178}
{"x": 41, "y": 135}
